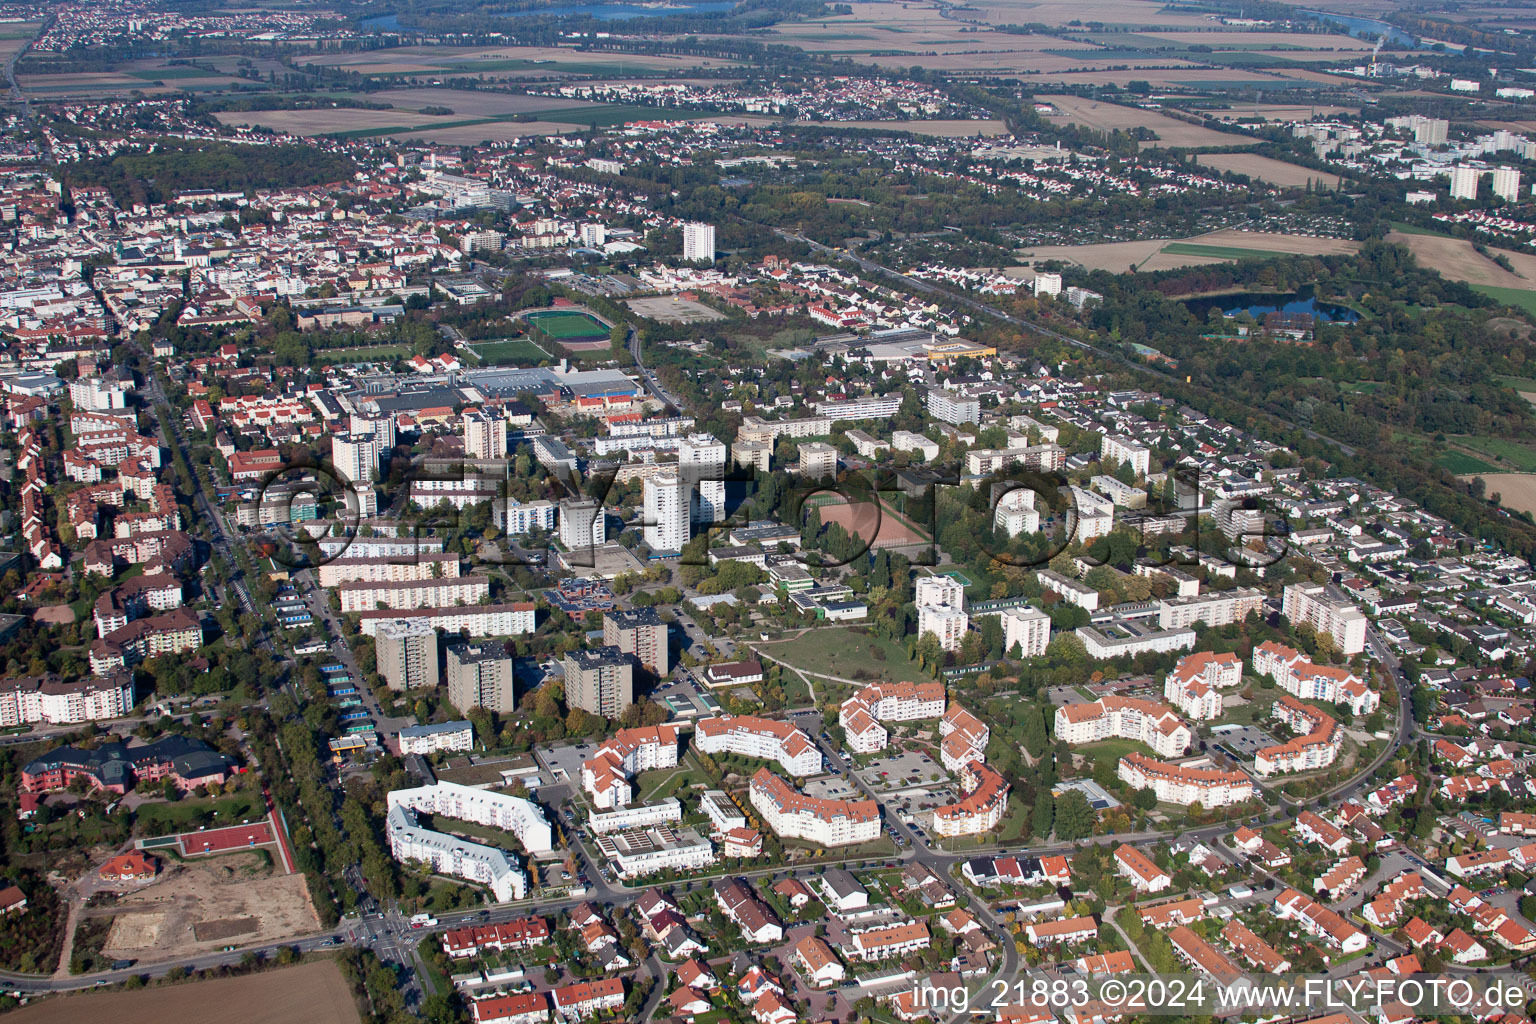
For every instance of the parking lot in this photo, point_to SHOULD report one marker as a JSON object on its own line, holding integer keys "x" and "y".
{"x": 1243, "y": 740}
{"x": 901, "y": 770}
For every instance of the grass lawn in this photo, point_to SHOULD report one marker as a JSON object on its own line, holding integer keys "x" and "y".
{"x": 1519, "y": 383}
{"x": 514, "y": 351}
{"x": 365, "y": 354}
{"x": 161, "y": 819}
{"x": 483, "y": 833}
{"x": 1255, "y": 710}
{"x": 1513, "y": 454}
{"x": 1113, "y": 750}
{"x": 658, "y": 785}
{"x": 1461, "y": 463}
{"x": 1409, "y": 229}
{"x": 849, "y": 655}
{"x": 1520, "y": 298}
{"x": 1221, "y": 252}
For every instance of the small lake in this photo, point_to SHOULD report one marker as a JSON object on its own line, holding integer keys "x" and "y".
{"x": 1360, "y": 28}
{"x": 1259, "y": 303}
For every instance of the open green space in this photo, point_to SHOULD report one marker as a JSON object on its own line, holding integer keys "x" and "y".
{"x": 160, "y": 819}
{"x": 1519, "y": 383}
{"x": 1521, "y": 298}
{"x": 1221, "y": 252}
{"x": 1409, "y": 229}
{"x": 848, "y": 655}
{"x": 1113, "y": 750}
{"x": 1461, "y": 463}
{"x": 659, "y": 785}
{"x": 1512, "y": 455}
{"x": 171, "y": 74}
{"x": 365, "y": 354}
{"x": 515, "y": 351}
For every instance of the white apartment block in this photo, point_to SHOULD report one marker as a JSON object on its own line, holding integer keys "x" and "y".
{"x": 873, "y": 407}
{"x": 860, "y": 715}
{"x": 474, "y": 620}
{"x": 1092, "y": 515}
{"x": 825, "y": 823}
{"x": 485, "y": 434}
{"x": 1329, "y": 613}
{"x": 450, "y": 855}
{"x": 1464, "y": 182}
{"x": 1029, "y": 628}
{"x": 366, "y": 596}
{"x": 750, "y": 736}
{"x": 1151, "y": 723}
{"x": 582, "y": 523}
{"x": 643, "y": 851}
{"x": 636, "y": 816}
{"x": 1299, "y": 676}
{"x": 1123, "y": 495}
{"x": 1068, "y": 589}
{"x": 917, "y": 444}
{"x": 941, "y": 591}
{"x": 701, "y": 462}
{"x": 355, "y": 456}
{"x": 949, "y": 625}
{"x": 698, "y": 243}
{"x": 818, "y": 460}
{"x": 523, "y": 818}
{"x": 1040, "y": 457}
{"x": 1506, "y": 183}
{"x": 432, "y": 739}
{"x": 1185, "y": 784}
{"x": 940, "y": 610}
{"x": 953, "y": 407}
{"x": 425, "y": 565}
{"x": 1015, "y": 513}
{"x": 667, "y": 512}
{"x": 517, "y": 518}
{"x": 1217, "y": 608}
{"x": 55, "y": 702}
{"x": 1115, "y": 450}
{"x": 605, "y": 776}
{"x": 1193, "y": 685}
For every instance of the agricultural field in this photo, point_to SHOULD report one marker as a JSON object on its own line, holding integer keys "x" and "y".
{"x": 1263, "y": 168}
{"x": 1171, "y": 132}
{"x": 1133, "y": 15}
{"x": 87, "y": 84}
{"x": 1279, "y": 112}
{"x": 504, "y": 62}
{"x": 466, "y": 103}
{"x": 1170, "y": 253}
{"x": 1516, "y": 491}
{"x": 940, "y": 129}
{"x": 1457, "y": 260}
{"x": 314, "y": 992}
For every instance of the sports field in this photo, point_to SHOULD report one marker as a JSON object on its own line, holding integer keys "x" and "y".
{"x": 513, "y": 351}
{"x": 568, "y": 325}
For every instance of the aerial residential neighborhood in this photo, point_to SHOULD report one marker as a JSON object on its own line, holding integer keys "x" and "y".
{"x": 718, "y": 512}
